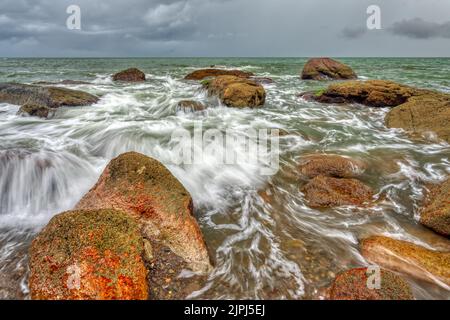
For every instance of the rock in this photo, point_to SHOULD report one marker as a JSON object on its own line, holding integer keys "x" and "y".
{"x": 331, "y": 192}
{"x": 130, "y": 75}
{"x": 415, "y": 110}
{"x": 421, "y": 115}
{"x": 35, "y": 110}
{"x": 408, "y": 258}
{"x": 189, "y": 105}
{"x": 64, "y": 82}
{"x": 209, "y": 73}
{"x": 325, "y": 69}
{"x": 353, "y": 285}
{"x": 262, "y": 80}
{"x": 436, "y": 213}
{"x": 145, "y": 189}
{"x": 331, "y": 166}
{"x": 88, "y": 255}
{"x": 237, "y": 92}
{"x": 51, "y": 97}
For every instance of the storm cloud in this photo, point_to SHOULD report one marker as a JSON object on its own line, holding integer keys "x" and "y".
{"x": 116, "y": 28}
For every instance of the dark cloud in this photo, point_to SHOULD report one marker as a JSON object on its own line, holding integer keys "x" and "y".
{"x": 418, "y": 28}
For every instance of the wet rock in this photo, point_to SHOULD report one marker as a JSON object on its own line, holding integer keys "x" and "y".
{"x": 326, "y": 69}
{"x": 330, "y": 165}
{"x": 209, "y": 73}
{"x": 129, "y": 75}
{"x": 436, "y": 212}
{"x": 408, "y": 258}
{"x": 145, "y": 189}
{"x": 35, "y": 110}
{"x": 262, "y": 80}
{"x": 189, "y": 105}
{"x": 51, "y": 97}
{"x": 415, "y": 110}
{"x": 88, "y": 255}
{"x": 353, "y": 285}
{"x": 331, "y": 192}
{"x": 237, "y": 92}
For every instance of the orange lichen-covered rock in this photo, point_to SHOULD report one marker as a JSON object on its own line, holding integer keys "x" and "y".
{"x": 331, "y": 192}
{"x": 88, "y": 255}
{"x": 330, "y": 165}
{"x": 408, "y": 258}
{"x": 355, "y": 284}
{"x": 146, "y": 190}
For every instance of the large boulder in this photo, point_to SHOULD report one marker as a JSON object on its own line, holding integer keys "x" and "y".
{"x": 332, "y": 192}
{"x": 129, "y": 75}
{"x": 237, "y": 92}
{"x": 51, "y": 97}
{"x": 88, "y": 255}
{"x": 408, "y": 258}
{"x": 353, "y": 284}
{"x": 37, "y": 110}
{"x": 330, "y": 165}
{"x": 436, "y": 212}
{"x": 326, "y": 69}
{"x": 146, "y": 190}
{"x": 210, "y": 73}
{"x": 418, "y": 111}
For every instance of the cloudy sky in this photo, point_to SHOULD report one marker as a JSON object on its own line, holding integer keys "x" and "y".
{"x": 222, "y": 28}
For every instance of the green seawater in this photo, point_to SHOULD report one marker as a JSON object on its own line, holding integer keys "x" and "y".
{"x": 262, "y": 249}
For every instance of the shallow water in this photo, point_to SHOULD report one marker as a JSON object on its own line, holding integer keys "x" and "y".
{"x": 267, "y": 243}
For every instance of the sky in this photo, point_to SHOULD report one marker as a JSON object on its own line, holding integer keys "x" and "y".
{"x": 224, "y": 28}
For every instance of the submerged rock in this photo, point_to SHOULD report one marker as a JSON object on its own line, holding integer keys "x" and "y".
{"x": 331, "y": 192}
{"x": 326, "y": 69}
{"x": 408, "y": 258}
{"x": 209, "y": 73}
{"x": 145, "y": 189}
{"x": 330, "y": 165}
{"x": 129, "y": 75}
{"x": 88, "y": 255}
{"x": 189, "y": 105}
{"x": 37, "y": 110}
{"x": 436, "y": 213}
{"x": 64, "y": 82}
{"x": 237, "y": 92}
{"x": 415, "y": 110}
{"x": 353, "y": 285}
{"x": 51, "y": 97}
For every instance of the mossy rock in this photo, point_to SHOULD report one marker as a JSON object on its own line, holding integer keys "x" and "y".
{"x": 88, "y": 255}
{"x": 37, "y": 110}
{"x": 408, "y": 258}
{"x": 353, "y": 284}
{"x": 146, "y": 190}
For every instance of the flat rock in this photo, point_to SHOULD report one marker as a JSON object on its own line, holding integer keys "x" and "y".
{"x": 330, "y": 165}
{"x": 408, "y": 258}
{"x": 353, "y": 285}
{"x": 210, "y": 73}
{"x": 332, "y": 192}
{"x": 52, "y": 97}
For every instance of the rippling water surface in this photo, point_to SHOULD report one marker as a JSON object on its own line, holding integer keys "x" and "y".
{"x": 267, "y": 242}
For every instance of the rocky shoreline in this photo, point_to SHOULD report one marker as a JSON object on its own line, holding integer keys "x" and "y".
{"x": 135, "y": 231}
